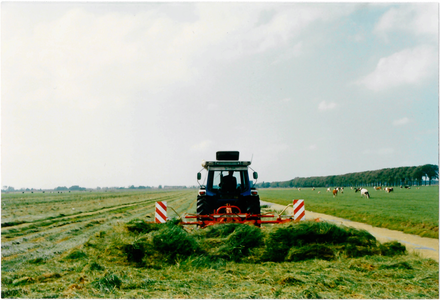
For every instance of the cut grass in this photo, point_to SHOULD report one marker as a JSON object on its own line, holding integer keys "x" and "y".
{"x": 66, "y": 231}
{"x": 316, "y": 265}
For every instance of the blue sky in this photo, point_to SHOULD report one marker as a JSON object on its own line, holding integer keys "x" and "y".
{"x": 119, "y": 94}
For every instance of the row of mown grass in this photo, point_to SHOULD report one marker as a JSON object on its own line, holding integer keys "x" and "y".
{"x": 304, "y": 260}
{"x": 20, "y": 208}
{"x": 414, "y": 211}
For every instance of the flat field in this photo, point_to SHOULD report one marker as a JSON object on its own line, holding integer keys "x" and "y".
{"x": 99, "y": 245}
{"x": 414, "y": 211}
{"x": 42, "y": 224}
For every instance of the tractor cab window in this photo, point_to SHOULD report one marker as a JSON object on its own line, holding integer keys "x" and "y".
{"x": 228, "y": 181}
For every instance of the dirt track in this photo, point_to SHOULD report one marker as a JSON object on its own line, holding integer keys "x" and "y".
{"x": 426, "y": 247}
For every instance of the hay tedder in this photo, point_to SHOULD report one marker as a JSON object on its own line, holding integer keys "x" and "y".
{"x": 229, "y": 196}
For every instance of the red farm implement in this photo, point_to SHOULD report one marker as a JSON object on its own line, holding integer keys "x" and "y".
{"x": 232, "y": 214}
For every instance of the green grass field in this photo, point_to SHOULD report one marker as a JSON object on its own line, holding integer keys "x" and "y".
{"x": 94, "y": 245}
{"x": 414, "y": 211}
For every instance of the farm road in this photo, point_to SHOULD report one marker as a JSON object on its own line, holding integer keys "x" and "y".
{"x": 426, "y": 247}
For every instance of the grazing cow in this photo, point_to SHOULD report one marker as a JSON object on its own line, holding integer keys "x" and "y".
{"x": 388, "y": 189}
{"x": 335, "y": 192}
{"x": 313, "y": 189}
{"x": 407, "y": 187}
{"x": 328, "y": 190}
{"x": 357, "y": 190}
{"x": 364, "y": 192}
{"x": 299, "y": 189}
{"x": 378, "y": 188}
{"x": 319, "y": 192}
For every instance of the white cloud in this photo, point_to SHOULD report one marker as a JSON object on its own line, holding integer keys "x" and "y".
{"x": 291, "y": 53}
{"x": 416, "y": 19}
{"x": 84, "y": 60}
{"x": 202, "y": 146}
{"x": 323, "y": 106}
{"x": 409, "y": 66}
{"x": 289, "y": 22}
{"x": 382, "y": 151}
{"x": 401, "y": 122}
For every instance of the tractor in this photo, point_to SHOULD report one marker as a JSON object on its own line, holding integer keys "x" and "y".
{"x": 228, "y": 186}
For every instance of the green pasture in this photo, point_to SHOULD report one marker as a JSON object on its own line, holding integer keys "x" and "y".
{"x": 414, "y": 211}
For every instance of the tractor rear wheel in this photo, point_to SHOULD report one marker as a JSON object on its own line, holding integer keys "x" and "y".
{"x": 253, "y": 205}
{"x": 203, "y": 206}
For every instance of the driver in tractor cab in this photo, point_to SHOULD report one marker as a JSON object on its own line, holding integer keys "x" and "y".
{"x": 229, "y": 182}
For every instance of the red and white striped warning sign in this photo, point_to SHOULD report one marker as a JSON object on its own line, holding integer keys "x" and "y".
{"x": 299, "y": 212}
{"x": 161, "y": 212}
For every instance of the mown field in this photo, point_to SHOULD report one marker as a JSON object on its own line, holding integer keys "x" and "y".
{"x": 100, "y": 245}
{"x": 414, "y": 211}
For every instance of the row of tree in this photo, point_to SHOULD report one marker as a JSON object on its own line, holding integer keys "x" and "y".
{"x": 384, "y": 177}
{"x": 78, "y": 188}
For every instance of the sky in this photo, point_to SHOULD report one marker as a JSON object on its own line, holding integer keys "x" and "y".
{"x": 118, "y": 94}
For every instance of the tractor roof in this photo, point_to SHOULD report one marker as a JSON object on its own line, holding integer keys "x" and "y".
{"x": 225, "y": 165}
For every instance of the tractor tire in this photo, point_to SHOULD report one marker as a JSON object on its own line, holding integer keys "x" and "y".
{"x": 253, "y": 205}
{"x": 203, "y": 206}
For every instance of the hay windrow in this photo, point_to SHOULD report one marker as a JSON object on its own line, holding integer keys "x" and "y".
{"x": 281, "y": 239}
{"x": 149, "y": 244}
{"x": 173, "y": 242}
{"x": 314, "y": 251}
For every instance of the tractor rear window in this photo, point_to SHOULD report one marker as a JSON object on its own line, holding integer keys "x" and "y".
{"x": 228, "y": 180}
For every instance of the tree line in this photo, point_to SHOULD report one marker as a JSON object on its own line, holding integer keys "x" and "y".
{"x": 384, "y": 177}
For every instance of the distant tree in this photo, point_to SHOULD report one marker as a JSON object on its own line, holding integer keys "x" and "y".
{"x": 389, "y": 176}
{"x": 417, "y": 175}
{"x": 430, "y": 171}
{"x": 400, "y": 176}
{"x": 77, "y": 188}
{"x": 60, "y": 188}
